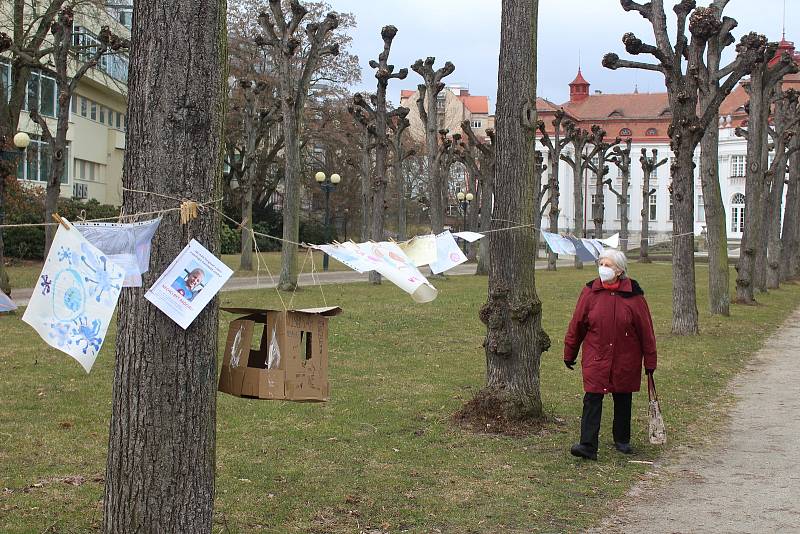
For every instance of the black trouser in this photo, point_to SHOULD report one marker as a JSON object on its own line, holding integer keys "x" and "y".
{"x": 592, "y": 412}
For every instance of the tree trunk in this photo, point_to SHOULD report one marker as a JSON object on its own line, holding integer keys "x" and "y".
{"x": 644, "y": 242}
{"x": 246, "y": 263}
{"x": 684, "y": 300}
{"x": 624, "y": 218}
{"x": 434, "y": 172}
{"x": 161, "y": 459}
{"x": 515, "y": 340}
{"x": 555, "y": 197}
{"x": 599, "y": 204}
{"x": 791, "y": 215}
{"x": 487, "y": 192}
{"x": 577, "y": 197}
{"x": 719, "y": 298}
{"x": 472, "y": 224}
{"x": 774, "y": 205}
{"x": 5, "y": 174}
{"x": 760, "y": 276}
{"x": 291, "y": 199}
{"x": 379, "y": 179}
{"x": 366, "y": 191}
{"x": 400, "y": 179}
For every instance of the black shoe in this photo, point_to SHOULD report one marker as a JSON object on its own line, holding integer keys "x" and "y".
{"x": 624, "y": 448}
{"x": 582, "y": 451}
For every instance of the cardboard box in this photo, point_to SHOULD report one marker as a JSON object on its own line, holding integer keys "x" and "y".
{"x": 290, "y": 360}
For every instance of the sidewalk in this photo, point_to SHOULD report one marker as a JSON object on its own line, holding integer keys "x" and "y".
{"x": 748, "y": 481}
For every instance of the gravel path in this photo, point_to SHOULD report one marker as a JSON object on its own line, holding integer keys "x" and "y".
{"x": 749, "y": 482}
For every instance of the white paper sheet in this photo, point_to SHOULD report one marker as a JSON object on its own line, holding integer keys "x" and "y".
{"x": 75, "y": 296}
{"x": 559, "y": 244}
{"x": 469, "y": 236}
{"x": 6, "y": 304}
{"x": 593, "y": 246}
{"x": 188, "y": 284}
{"x": 349, "y": 254}
{"x": 126, "y": 244}
{"x": 393, "y": 264}
{"x": 612, "y": 241}
{"x": 448, "y": 254}
{"x": 421, "y": 250}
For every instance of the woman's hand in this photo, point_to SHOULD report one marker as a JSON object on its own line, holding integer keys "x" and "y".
{"x": 570, "y": 364}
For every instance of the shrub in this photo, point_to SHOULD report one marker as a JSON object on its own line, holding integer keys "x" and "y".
{"x": 230, "y": 240}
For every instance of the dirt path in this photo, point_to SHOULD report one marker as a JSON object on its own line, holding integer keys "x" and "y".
{"x": 750, "y": 481}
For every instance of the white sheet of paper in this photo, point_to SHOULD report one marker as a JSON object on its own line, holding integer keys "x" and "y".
{"x": 612, "y": 241}
{"x": 188, "y": 284}
{"x": 349, "y": 254}
{"x": 393, "y": 264}
{"x": 421, "y": 250}
{"x": 448, "y": 254}
{"x": 126, "y": 244}
{"x": 559, "y": 244}
{"x": 6, "y": 304}
{"x": 593, "y": 246}
{"x": 469, "y": 236}
{"x": 75, "y": 296}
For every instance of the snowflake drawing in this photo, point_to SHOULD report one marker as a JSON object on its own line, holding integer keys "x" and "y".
{"x": 59, "y": 332}
{"x": 85, "y": 336}
{"x": 105, "y": 282}
{"x": 46, "y": 284}
{"x": 73, "y": 299}
{"x": 65, "y": 254}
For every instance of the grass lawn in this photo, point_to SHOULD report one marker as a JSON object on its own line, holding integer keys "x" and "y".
{"x": 24, "y": 273}
{"x": 381, "y": 454}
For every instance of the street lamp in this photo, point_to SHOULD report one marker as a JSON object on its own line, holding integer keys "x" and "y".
{"x": 21, "y": 142}
{"x": 328, "y": 185}
{"x": 464, "y": 199}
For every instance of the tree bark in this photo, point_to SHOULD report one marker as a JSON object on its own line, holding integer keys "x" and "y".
{"x": 515, "y": 340}
{"x": 486, "y": 194}
{"x": 400, "y": 182}
{"x": 161, "y": 460}
{"x": 246, "y": 262}
{"x": 291, "y": 199}
{"x": 644, "y": 242}
{"x": 719, "y": 298}
{"x": 791, "y": 215}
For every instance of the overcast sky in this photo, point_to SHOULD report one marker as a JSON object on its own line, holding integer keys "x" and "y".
{"x": 467, "y": 32}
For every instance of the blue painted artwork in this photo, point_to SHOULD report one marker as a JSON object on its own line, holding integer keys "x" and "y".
{"x": 46, "y": 283}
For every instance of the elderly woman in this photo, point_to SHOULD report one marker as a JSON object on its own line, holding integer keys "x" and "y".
{"x": 613, "y": 323}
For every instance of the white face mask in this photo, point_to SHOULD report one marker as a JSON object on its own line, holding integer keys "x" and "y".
{"x": 606, "y": 273}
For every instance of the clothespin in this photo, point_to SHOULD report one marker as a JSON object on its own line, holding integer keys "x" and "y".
{"x": 59, "y": 220}
{"x": 83, "y": 216}
{"x": 188, "y": 211}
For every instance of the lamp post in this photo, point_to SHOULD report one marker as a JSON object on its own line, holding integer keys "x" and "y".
{"x": 346, "y": 215}
{"x": 328, "y": 185}
{"x": 9, "y": 157}
{"x": 464, "y": 199}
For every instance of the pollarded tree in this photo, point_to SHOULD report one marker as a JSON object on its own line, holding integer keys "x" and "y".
{"x": 367, "y": 144}
{"x": 161, "y": 458}
{"x": 681, "y": 64}
{"x": 761, "y": 88}
{"x": 483, "y": 167}
{"x": 649, "y": 166}
{"x": 786, "y": 118}
{"x": 555, "y": 146}
{"x": 426, "y": 105}
{"x": 600, "y": 171}
{"x": 580, "y": 161}
{"x": 621, "y": 158}
{"x": 515, "y": 339}
{"x": 791, "y": 216}
{"x": 400, "y": 153}
{"x": 294, "y": 75}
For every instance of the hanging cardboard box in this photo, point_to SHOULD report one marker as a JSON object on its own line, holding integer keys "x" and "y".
{"x": 288, "y": 361}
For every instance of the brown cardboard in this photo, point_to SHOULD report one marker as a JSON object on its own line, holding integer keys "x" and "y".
{"x": 301, "y": 372}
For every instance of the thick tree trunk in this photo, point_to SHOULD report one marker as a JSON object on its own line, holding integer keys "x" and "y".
{"x": 774, "y": 205}
{"x": 161, "y": 459}
{"x": 644, "y": 242}
{"x": 624, "y": 218}
{"x": 791, "y": 215}
{"x": 472, "y": 224}
{"x": 6, "y": 168}
{"x": 515, "y": 339}
{"x": 719, "y": 298}
{"x": 599, "y": 204}
{"x": 434, "y": 173}
{"x": 400, "y": 179}
{"x": 760, "y": 275}
{"x": 366, "y": 191}
{"x": 487, "y": 192}
{"x": 291, "y": 198}
{"x": 555, "y": 198}
{"x": 684, "y": 300}
{"x": 379, "y": 180}
{"x": 577, "y": 198}
{"x": 246, "y": 263}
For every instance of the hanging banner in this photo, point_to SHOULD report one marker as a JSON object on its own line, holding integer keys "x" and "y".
{"x": 469, "y": 236}
{"x": 612, "y": 242}
{"x": 421, "y": 250}
{"x": 559, "y": 244}
{"x": 126, "y": 244}
{"x": 6, "y": 304}
{"x": 392, "y": 263}
{"x": 580, "y": 249}
{"x": 75, "y": 298}
{"x": 188, "y": 284}
{"x": 593, "y": 246}
{"x": 348, "y": 254}
{"x": 448, "y": 253}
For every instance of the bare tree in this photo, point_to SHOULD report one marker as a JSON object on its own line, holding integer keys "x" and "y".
{"x": 515, "y": 339}
{"x": 398, "y": 126}
{"x": 761, "y": 87}
{"x": 367, "y": 144}
{"x": 791, "y": 216}
{"x": 681, "y": 64}
{"x": 580, "y": 140}
{"x": 294, "y": 75}
{"x": 600, "y": 171}
{"x": 621, "y": 157}
{"x": 161, "y": 458}
{"x": 649, "y": 166}
{"x": 427, "y": 106}
{"x": 482, "y": 163}
{"x": 786, "y": 118}
{"x": 555, "y": 146}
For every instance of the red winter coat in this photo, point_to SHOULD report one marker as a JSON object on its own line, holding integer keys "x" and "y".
{"x": 616, "y": 331}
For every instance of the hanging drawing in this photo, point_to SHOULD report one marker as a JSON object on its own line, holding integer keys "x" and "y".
{"x": 77, "y": 292}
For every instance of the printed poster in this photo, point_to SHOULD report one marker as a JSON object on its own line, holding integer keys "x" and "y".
{"x": 188, "y": 284}
{"x": 421, "y": 250}
{"x": 349, "y": 254}
{"x": 448, "y": 253}
{"x": 392, "y": 263}
{"x": 75, "y": 297}
{"x": 126, "y": 244}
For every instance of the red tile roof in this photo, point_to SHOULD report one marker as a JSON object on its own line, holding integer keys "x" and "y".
{"x": 475, "y": 104}
{"x": 579, "y": 79}
{"x": 406, "y": 93}
{"x": 630, "y": 105}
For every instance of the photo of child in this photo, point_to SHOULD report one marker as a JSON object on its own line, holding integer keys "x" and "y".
{"x": 192, "y": 282}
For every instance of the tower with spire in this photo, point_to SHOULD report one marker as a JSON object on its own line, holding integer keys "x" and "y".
{"x": 578, "y": 89}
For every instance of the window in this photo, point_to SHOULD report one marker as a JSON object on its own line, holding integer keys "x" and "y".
{"x": 36, "y": 165}
{"x": 126, "y": 17}
{"x": 5, "y": 78}
{"x": 671, "y": 208}
{"x": 620, "y": 211}
{"x": 118, "y": 115}
{"x": 84, "y": 107}
{"x": 87, "y": 171}
{"x": 595, "y": 165}
{"x": 440, "y": 102}
{"x": 738, "y": 166}
{"x": 651, "y": 132}
{"x": 625, "y": 132}
{"x": 653, "y": 207}
{"x": 103, "y": 115}
{"x": 596, "y": 208}
{"x": 41, "y": 94}
{"x": 93, "y": 110}
{"x": 476, "y": 124}
{"x": 74, "y": 104}
{"x": 737, "y": 213}
{"x": 701, "y": 209}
